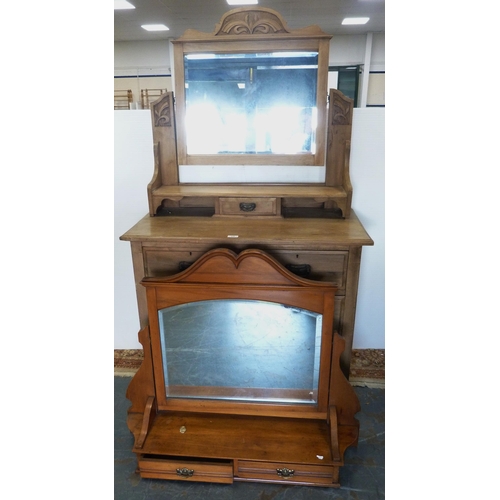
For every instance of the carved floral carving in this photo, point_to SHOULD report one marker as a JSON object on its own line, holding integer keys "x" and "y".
{"x": 162, "y": 112}
{"x": 251, "y": 23}
{"x": 341, "y": 109}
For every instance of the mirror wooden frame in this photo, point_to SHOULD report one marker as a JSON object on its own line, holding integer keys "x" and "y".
{"x": 252, "y": 30}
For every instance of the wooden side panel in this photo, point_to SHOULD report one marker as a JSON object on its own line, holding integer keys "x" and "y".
{"x": 351, "y": 297}
{"x": 163, "y": 118}
{"x": 180, "y": 98}
{"x": 338, "y": 143}
{"x": 142, "y": 385}
{"x": 324, "y": 48}
{"x": 342, "y": 395}
{"x": 155, "y": 181}
{"x": 138, "y": 263}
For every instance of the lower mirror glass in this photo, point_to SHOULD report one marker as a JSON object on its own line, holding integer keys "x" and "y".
{"x": 245, "y": 350}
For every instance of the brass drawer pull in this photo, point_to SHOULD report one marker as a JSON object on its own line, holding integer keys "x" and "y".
{"x": 247, "y": 207}
{"x": 284, "y": 472}
{"x": 184, "y": 472}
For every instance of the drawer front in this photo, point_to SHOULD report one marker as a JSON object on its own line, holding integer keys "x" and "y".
{"x": 248, "y": 206}
{"x": 219, "y": 471}
{"x": 319, "y": 266}
{"x": 158, "y": 262}
{"x": 293, "y": 473}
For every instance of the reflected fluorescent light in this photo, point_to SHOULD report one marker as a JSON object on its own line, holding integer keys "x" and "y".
{"x": 242, "y": 2}
{"x": 200, "y": 56}
{"x": 123, "y": 4}
{"x": 291, "y": 54}
{"x": 241, "y": 85}
{"x": 155, "y": 27}
{"x": 355, "y": 20}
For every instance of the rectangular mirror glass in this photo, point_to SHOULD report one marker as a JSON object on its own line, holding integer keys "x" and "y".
{"x": 255, "y": 103}
{"x": 246, "y": 350}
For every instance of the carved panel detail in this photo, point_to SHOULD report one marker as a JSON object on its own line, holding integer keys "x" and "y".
{"x": 341, "y": 109}
{"x": 162, "y": 112}
{"x": 251, "y": 23}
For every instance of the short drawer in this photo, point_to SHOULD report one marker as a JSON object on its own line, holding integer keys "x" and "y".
{"x": 249, "y": 206}
{"x": 319, "y": 266}
{"x": 294, "y": 473}
{"x": 213, "y": 471}
{"x": 159, "y": 262}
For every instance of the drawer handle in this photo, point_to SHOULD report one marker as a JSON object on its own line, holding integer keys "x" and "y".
{"x": 284, "y": 472}
{"x": 184, "y": 472}
{"x": 183, "y": 265}
{"x": 247, "y": 207}
{"x": 303, "y": 270}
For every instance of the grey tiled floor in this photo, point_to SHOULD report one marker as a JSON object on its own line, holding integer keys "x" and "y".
{"x": 362, "y": 477}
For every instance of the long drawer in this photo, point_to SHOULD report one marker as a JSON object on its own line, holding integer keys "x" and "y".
{"x": 156, "y": 467}
{"x": 320, "y": 266}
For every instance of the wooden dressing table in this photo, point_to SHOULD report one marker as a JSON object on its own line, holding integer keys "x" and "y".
{"x": 294, "y": 245}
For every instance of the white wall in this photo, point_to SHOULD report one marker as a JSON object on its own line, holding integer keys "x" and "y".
{"x": 133, "y": 153}
{"x": 347, "y": 50}
{"x": 134, "y": 169}
{"x": 139, "y": 61}
{"x": 367, "y": 171}
{"x": 146, "y": 58}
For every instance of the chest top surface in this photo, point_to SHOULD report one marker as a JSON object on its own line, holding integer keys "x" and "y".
{"x": 330, "y": 232}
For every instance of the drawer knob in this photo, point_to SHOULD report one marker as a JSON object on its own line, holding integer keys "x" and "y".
{"x": 284, "y": 472}
{"x": 247, "y": 207}
{"x": 184, "y": 472}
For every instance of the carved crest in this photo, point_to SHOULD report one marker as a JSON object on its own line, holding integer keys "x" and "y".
{"x": 162, "y": 111}
{"x": 251, "y": 22}
{"x": 341, "y": 107}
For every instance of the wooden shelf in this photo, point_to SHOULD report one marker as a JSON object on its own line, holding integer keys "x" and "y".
{"x": 245, "y": 437}
{"x": 260, "y": 190}
{"x": 268, "y": 199}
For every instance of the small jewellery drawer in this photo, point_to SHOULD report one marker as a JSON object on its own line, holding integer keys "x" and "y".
{"x": 294, "y": 473}
{"x": 249, "y": 206}
{"x": 157, "y": 467}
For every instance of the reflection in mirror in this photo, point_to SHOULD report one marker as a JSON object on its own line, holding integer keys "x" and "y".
{"x": 251, "y": 103}
{"x": 245, "y": 350}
